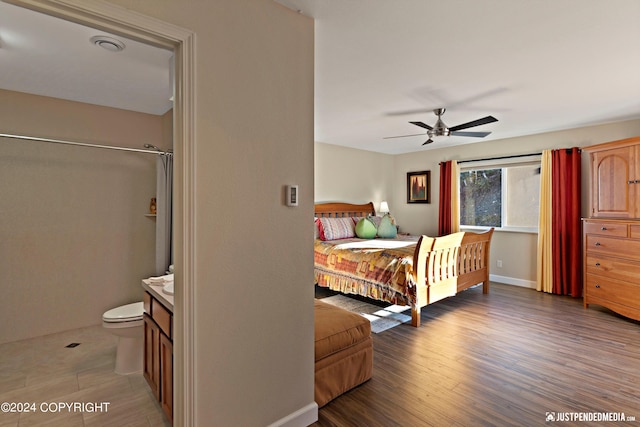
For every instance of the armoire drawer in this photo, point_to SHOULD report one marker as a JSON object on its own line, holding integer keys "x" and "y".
{"x": 614, "y": 268}
{"x": 614, "y": 229}
{"x": 612, "y": 290}
{"x": 624, "y": 248}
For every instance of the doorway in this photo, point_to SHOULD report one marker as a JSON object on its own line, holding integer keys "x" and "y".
{"x": 117, "y": 20}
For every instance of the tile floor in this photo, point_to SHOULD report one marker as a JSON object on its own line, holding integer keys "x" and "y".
{"x": 44, "y": 372}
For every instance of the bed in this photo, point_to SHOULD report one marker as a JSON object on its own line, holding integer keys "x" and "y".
{"x": 406, "y": 270}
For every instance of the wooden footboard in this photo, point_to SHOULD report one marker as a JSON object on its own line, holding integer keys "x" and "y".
{"x": 474, "y": 260}
{"x": 444, "y": 266}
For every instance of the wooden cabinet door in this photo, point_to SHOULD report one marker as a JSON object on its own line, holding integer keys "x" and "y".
{"x": 151, "y": 355}
{"x": 166, "y": 376}
{"x": 613, "y": 187}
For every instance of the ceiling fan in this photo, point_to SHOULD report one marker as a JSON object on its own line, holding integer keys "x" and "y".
{"x": 440, "y": 129}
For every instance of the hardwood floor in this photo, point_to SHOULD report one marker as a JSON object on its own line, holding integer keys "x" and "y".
{"x": 44, "y": 371}
{"x": 506, "y": 358}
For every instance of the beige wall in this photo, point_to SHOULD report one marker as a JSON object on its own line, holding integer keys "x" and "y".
{"x": 344, "y": 174}
{"x": 254, "y": 355}
{"x": 74, "y": 239}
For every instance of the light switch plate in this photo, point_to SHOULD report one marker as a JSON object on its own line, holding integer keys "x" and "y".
{"x": 292, "y": 195}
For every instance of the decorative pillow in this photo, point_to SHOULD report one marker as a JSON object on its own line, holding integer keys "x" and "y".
{"x": 387, "y": 228}
{"x": 366, "y": 229}
{"x": 316, "y": 231}
{"x": 376, "y": 220}
{"x": 336, "y": 228}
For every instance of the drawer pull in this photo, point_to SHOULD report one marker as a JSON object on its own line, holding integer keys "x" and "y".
{"x": 631, "y": 182}
{"x": 597, "y": 286}
{"x": 604, "y": 229}
{"x": 597, "y": 243}
{"x": 597, "y": 264}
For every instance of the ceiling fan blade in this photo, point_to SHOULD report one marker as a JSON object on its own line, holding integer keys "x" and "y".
{"x": 482, "y": 121}
{"x": 473, "y": 134}
{"x": 428, "y": 141}
{"x": 422, "y": 125}
{"x": 404, "y": 136}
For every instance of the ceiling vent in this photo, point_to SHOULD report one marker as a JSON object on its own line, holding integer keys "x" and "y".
{"x": 109, "y": 43}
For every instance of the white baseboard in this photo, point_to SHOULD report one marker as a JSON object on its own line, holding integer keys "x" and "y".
{"x": 512, "y": 281}
{"x": 303, "y": 417}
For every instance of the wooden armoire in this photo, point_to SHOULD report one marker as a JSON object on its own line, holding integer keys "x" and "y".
{"x": 611, "y": 234}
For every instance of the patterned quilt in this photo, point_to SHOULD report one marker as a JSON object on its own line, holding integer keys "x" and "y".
{"x": 380, "y": 269}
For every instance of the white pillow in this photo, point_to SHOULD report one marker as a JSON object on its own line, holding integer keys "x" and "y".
{"x": 336, "y": 228}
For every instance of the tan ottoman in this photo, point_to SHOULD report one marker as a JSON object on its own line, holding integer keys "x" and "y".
{"x": 343, "y": 349}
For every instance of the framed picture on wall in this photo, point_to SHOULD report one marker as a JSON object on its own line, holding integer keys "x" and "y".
{"x": 419, "y": 187}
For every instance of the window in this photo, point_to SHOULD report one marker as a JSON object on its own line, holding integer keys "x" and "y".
{"x": 504, "y": 197}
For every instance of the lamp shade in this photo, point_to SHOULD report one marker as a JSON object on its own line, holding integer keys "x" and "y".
{"x": 384, "y": 207}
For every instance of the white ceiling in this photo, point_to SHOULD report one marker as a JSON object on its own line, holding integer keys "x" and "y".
{"x": 536, "y": 65}
{"x": 48, "y": 56}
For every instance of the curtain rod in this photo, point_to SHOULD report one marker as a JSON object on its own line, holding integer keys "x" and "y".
{"x": 84, "y": 144}
{"x": 569, "y": 151}
{"x": 500, "y": 158}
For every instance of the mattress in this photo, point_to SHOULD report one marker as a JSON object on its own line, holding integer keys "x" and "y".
{"x": 380, "y": 269}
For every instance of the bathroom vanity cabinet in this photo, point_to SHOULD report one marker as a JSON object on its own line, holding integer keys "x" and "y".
{"x": 158, "y": 347}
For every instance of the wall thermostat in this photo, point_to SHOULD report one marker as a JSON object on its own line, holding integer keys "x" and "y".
{"x": 292, "y": 195}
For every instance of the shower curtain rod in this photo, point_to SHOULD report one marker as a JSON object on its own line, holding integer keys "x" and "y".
{"x": 84, "y": 144}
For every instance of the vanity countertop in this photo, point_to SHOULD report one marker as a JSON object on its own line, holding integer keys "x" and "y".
{"x": 156, "y": 290}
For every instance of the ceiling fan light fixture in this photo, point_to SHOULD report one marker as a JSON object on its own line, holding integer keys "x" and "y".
{"x": 108, "y": 43}
{"x": 439, "y": 129}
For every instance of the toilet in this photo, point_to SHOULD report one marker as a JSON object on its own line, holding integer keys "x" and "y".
{"x": 126, "y": 323}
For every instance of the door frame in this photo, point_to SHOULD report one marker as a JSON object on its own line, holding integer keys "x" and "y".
{"x": 120, "y": 21}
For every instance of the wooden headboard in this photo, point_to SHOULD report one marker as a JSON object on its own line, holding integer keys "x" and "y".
{"x": 336, "y": 210}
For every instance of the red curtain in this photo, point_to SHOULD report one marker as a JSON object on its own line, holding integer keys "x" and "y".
{"x": 566, "y": 236}
{"x": 445, "y": 224}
